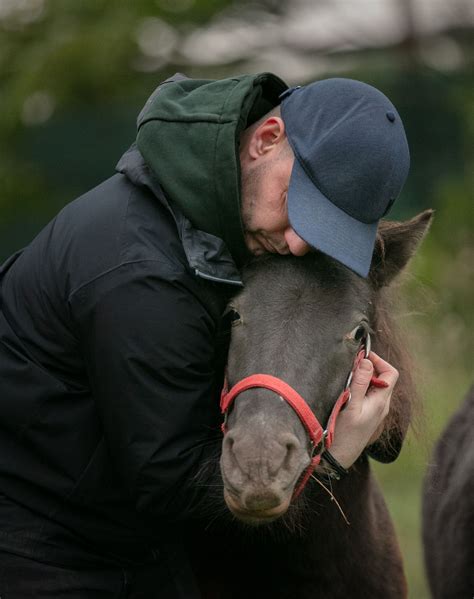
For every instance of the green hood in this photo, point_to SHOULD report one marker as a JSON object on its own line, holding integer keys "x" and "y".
{"x": 188, "y": 134}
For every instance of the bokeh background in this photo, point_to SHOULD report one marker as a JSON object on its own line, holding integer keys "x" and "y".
{"x": 75, "y": 73}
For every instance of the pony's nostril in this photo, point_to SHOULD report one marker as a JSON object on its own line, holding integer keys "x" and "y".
{"x": 293, "y": 447}
{"x": 229, "y": 442}
{"x": 291, "y": 442}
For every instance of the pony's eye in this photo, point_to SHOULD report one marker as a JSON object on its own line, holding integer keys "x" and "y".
{"x": 232, "y": 317}
{"x": 359, "y": 333}
{"x": 235, "y": 318}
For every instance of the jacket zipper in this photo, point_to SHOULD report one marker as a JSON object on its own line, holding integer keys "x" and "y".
{"x": 217, "y": 279}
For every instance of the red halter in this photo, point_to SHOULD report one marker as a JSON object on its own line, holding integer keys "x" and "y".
{"x": 320, "y": 438}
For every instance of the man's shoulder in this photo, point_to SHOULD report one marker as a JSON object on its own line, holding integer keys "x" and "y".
{"x": 114, "y": 224}
{"x": 120, "y": 234}
{"x": 109, "y": 235}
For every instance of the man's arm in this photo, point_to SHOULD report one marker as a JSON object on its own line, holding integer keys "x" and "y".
{"x": 148, "y": 345}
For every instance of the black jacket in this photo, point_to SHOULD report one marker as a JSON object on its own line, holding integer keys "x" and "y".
{"x": 110, "y": 370}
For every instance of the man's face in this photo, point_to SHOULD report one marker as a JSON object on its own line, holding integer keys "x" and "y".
{"x": 264, "y": 206}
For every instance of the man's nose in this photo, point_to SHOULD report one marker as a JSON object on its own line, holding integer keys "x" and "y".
{"x": 296, "y": 245}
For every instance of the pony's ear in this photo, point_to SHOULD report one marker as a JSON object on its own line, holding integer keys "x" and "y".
{"x": 395, "y": 244}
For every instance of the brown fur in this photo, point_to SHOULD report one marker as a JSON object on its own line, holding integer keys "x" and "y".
{"x": 448, "y": 508}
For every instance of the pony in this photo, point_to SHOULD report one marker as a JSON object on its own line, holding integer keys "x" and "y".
{"x": 448, "y": 508}
{"x": 302, "y": 319}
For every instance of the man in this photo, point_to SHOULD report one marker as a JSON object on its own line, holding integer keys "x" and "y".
{"x": 110, "y": 364}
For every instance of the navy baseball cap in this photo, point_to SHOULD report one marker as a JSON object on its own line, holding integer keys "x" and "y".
{"x": 351, "y": 161}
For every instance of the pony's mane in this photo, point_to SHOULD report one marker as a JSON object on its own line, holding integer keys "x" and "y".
{"x": 390, "y": 342}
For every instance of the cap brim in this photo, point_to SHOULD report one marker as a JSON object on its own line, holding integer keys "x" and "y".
{"x": 328, "y": 228}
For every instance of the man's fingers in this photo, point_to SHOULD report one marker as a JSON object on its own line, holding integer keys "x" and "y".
{"x": 383, "y": 370}
{"x": 380, "y": 395}
{"x": 361, "y": 379}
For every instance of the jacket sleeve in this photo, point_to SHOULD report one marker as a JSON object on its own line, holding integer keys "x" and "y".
{"x": 148, "y": 344}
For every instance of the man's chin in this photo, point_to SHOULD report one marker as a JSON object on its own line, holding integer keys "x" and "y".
{"x": 253, "y": 245}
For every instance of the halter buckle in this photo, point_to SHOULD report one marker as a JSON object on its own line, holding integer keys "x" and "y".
{"x": 319, "y": 448}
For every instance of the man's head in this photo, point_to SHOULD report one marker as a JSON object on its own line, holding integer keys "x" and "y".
{"x": 266, "y": 160}
{"x": 321, "y": 170}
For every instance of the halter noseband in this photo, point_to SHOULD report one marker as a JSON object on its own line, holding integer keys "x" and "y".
{"x": 320, "y": 438}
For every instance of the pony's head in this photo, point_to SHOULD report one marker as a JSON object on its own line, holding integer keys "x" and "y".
{"x": 302, "y": 320}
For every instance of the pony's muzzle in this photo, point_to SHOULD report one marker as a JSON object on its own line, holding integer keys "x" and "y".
{"x": 259, "y": 471}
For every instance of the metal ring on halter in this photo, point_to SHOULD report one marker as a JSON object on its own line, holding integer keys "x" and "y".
{"x": 320, "y": 447}
{"x": 349, "y": 380}
{"x": 367, "y": 346}
{"x": 322, "y": 443}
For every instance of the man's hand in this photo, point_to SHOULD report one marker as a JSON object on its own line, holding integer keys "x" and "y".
{"x": 361, "y": 423}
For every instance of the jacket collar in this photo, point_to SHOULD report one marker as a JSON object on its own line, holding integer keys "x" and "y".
{"x": 207, "y": 254}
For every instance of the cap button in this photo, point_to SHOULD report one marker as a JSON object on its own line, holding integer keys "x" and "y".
{"x": 288, "y": 92}
{"x": 390, "y": 116}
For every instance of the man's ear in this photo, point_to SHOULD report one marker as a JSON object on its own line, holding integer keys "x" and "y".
{"x": 267, "y": 136}
{"x": 396, "y": 243}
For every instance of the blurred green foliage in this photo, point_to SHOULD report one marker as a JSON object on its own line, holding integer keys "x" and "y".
{"x": 85, "y": 52}
{"x": 73, "y": 77}
{"x": 438, "y": 320}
